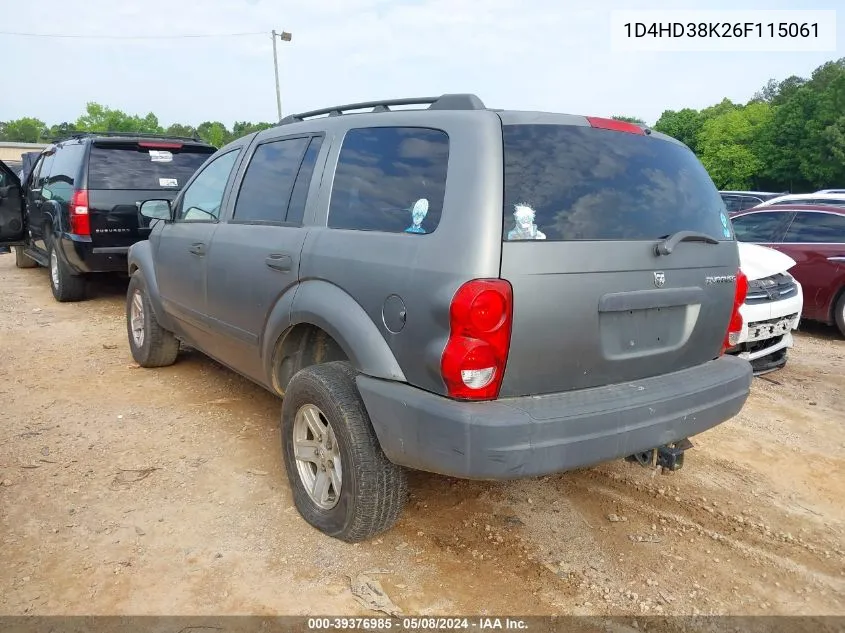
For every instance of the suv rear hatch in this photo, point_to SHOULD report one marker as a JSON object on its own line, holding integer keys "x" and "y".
{"x": 593, "y": 302}
{"x": 124, "y": 172}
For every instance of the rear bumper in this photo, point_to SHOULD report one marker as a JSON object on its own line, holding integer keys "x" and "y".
{"x": 530, "y": 436}
{"x": 83, "y": 257}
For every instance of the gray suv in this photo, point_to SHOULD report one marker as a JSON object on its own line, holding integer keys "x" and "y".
{"x": 473, "y": 292}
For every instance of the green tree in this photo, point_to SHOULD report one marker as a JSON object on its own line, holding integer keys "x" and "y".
{"x": 178, "y": 129}
{"x": 61, "y": 130}
{"x": 683, "y": 125}
{"x": 242, "y": 128}
{"x": 98, "y": 118}
{"x": 729, "y": 145}
{"x": 25, "y": 130}
{"x": 214, "y": 133}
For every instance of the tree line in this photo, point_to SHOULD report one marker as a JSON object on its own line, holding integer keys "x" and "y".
{"x": 790, "y": 136}
{"x": 99, "y": 118}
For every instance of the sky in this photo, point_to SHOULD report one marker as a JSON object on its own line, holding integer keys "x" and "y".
{"x": 552, "y": 55}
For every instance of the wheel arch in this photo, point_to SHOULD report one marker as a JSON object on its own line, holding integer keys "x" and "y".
{"x": 318, "y": 322}
{"x": 139, "y": 260}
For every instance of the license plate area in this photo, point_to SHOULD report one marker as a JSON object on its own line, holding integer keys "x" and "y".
{"x": 770, "y": 328}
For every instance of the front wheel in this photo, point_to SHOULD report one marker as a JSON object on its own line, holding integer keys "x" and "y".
{"x": 342, "y": 482}
{"x": 151, "y": 345}
{"x": 840, "y": 313}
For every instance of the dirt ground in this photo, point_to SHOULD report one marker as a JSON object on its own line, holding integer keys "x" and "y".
{"x": 132, "y": 491}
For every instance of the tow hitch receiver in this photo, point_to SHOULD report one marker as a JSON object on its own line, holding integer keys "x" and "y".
{"x": 669, "y": 456}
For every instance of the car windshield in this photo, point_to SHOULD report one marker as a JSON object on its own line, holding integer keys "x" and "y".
{"x": 579, "y": 183}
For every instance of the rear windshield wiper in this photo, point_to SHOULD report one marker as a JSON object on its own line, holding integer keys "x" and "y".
{"x": 668, "y": 244}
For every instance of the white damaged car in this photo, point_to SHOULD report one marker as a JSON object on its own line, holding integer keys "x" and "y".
{"x": 772, "y": 308}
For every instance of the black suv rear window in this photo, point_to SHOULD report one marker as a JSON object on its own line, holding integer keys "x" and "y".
{"x": 118, "y": 166}
{"x": 579, "y": 183}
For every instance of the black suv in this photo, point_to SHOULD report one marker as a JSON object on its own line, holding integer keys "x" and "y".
{"x": 77, "y": 211}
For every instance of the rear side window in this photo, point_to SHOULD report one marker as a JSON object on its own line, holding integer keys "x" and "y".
{"x": 579, "y": 183}
{"x": 816, "y": 228}
{"x": 268, "y": 182}
{"x": 390, "y": 179}
{"x": 748, "y": 202}
{"x": 64, "y": 172}
{"x": 732, "y": 203}
{"x": 760, "y": 227}
{"x": 128, "y": 166}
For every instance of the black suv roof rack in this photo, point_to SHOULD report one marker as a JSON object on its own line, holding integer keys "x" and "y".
{"x": 443, "y": 102}
{"x": 78, "y": 135}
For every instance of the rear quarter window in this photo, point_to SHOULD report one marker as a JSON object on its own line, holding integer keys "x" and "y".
{"x": 816, "y": 228}
{"x": 114, "y": 166}
{"x": 390, "y": 179}
{"x": 580, "y": 183}
{"x": 761, "y": 226}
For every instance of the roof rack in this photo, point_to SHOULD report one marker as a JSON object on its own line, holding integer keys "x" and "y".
{"x": 76, "y": 135}
{"x": 443, "y": 102}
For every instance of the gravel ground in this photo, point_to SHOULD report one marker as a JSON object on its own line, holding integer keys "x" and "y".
{"x": 132, "y": 491}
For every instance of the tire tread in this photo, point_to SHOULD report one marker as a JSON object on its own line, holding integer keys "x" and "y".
{"x": 160, "y": 347}
{"x": 381, "y": 485}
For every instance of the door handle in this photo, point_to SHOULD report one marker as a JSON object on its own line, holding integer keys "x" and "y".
{"x": 279, "y": 261}
{"x": 841, "y": 258}
{"x": 197, "y": 249}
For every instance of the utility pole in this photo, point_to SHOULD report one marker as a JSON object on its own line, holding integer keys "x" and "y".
{"x": 285, "y": 37}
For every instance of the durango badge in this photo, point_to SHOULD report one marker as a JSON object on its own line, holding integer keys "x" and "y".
{"x": 659, "y": 279}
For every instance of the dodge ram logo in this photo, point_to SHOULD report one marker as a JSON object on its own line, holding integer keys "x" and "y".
{"x": 659, "y": 279}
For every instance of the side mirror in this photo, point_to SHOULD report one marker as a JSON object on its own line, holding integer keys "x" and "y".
{"x": 156, "y": 209}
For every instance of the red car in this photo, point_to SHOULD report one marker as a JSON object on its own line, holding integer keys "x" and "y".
{"x": 812, "y": 235}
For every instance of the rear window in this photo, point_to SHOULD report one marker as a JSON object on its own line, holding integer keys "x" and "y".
{"x": 580, "y": 183}
{"x": 133, "y": 167}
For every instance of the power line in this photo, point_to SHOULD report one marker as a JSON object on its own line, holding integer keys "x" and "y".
{"x": 127, "y": 37}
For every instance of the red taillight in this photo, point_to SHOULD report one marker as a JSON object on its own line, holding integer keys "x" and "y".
{"x": 159, "y": 145}
{"x": 613, "y": 124}
{"x": 80, "y": 223}
{"x": 735, "y": 324}
{"x": 473, "y": 362}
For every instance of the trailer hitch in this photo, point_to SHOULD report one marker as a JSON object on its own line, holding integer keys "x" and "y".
{"x": 668, "y": 456}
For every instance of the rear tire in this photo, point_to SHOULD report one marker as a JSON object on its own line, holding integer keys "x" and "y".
{"x": 840, "y": 313}
{"x": 22, "y": 261}
{"x": 151, "y": 345}
{"x": 373, "y": 490}
{"x": 65, "y": 285}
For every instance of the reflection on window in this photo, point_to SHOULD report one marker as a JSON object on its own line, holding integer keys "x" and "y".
{"x": 268, "y": 183}
{"x": 760, "y": 227}
{"x": 202, "y": 199}
{"x": 115, "y": 166}
{"x": 390, "y": 179}
{"x": 588, "y": 184}
{"x": 818, "y": 228}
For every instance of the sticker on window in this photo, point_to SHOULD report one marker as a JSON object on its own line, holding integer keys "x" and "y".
{"x": 524, "y": 228}
{"x": 418, "y": 213}
{"x": 161, "y": 156}
{"x": 168, "y": 182}
{"x": 725, "y": 230}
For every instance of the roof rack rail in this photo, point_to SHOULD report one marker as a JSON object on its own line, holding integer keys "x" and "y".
{"x": 74, "y": 135}
{"x": 443, "y": 102}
